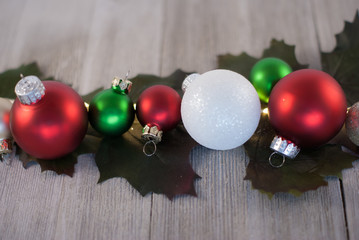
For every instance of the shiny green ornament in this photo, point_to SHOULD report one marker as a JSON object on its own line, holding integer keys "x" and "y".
{"x": 111, "y": 111}
{"x": 266, "y": 73}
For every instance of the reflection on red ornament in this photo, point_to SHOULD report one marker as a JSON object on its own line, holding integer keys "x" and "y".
{"x": 52, "y": 125}
{"x": 159, "y": 106}
{"x": 307, "y": 107}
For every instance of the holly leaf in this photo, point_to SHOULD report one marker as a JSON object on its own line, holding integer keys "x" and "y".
{"x": 142, "y": 82}
{"x": 168, "y": 171}
{"x": 306, "y": 172}
{"x": 343, "y": 62}
{"x": 10, "y": 78}
{"x": 243, "y": 63}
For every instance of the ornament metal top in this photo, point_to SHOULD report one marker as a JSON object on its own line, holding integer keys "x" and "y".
{"x": 283, "y": 147}
{"x": 122, "y": 85}
{"x": 188, "y": 80}
{"x": 29, "y": 90}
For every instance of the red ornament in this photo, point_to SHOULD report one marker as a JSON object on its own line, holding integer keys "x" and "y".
{"x": 53, "y": 124}
{"x": 307, "y": 107}
{"x": 159, "y": 106}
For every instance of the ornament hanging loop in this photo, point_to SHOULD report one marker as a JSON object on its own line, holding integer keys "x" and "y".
{"x": 274, "y": 165}
{"x": 284, "y": 148}
{"x": 152, "y": 135}
{"x": 127, "y": 74}
{"x": 149, "y": 154}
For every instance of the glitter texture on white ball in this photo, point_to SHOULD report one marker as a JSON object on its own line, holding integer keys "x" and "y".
{"x": 220, "y": 109}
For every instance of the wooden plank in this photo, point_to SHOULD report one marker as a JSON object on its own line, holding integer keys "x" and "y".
{"x": 11, "y": 12}
{"x": 124, "y": 35}
{"x": 329, "y": 17}
{"x": 84, "y": 43}
{"x": 328, "y": 25}
{"x": 351, "y": 198}
{"x": 30, "y": 202}
{"x": 110, "y": 210}
{"x": 54, "y": 34}
{"x": 227, "y": 207}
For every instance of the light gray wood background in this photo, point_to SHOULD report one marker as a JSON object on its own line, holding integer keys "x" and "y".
{"x": 87, "y": 42}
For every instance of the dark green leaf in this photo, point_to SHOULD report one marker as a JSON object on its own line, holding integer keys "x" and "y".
{"x": 243, "y": 63}
{"x": 168, "y": 171}
{"x": 350, "y": 35}
{"x": 10, "y": 78}
{"x": 141, "y": 82}
{"x": 306, "y": 172}
{"x": 343, "y": 62}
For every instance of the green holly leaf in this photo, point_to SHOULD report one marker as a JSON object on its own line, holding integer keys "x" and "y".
{"x": 343, "y": 62}
{"x": 142, "y": 82}
{"x": 10, "y": 78}
{"x": 306, "y": 172}
{"x": 243, "y": 63}
{"x": 168, "y": 171}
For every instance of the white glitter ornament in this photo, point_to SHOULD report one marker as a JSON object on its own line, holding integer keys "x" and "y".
{"x": 220, "y": 109}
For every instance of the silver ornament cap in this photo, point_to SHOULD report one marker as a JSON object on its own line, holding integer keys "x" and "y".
{"x": 121, "y": 85}
{"x": 188, "y": 80}
{"x": 284, "y": 147}
{"x": 29, "y": 90}
{"x": 152, "y": 134}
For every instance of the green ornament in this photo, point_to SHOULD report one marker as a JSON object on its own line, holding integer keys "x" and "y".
{"x": 266, "y": 73}
{"x": 111, "y": 111}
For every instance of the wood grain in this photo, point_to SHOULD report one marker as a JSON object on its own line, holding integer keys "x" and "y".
{"x": 84, "y": 43}
{"x": 87, "y": 42}
{"x": 327, "y": 25}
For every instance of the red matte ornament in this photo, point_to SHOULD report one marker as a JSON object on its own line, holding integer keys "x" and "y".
{"x": 307, "y": 107}
{"x": 159, "y": 106}
{"x": 53, "y": 126}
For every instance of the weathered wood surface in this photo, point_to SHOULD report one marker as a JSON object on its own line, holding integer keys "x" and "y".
{"x": 86, "y": 42}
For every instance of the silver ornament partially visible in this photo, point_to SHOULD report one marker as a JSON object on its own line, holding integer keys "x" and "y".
{"x": 5, "y": 135}
{"x": 188, "y": 80}
{"x": 352, "y": 124}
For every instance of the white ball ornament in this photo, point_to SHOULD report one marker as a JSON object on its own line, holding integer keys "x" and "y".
{"x": 220, "y": 109}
